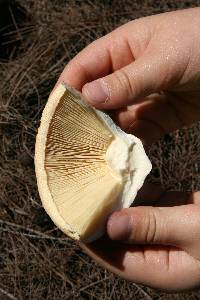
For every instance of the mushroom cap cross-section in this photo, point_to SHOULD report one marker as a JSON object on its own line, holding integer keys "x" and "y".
{"x": 86, "y": 166}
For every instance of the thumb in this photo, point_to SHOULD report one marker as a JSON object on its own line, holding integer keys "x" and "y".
{"x": 124, "y": 86}
{"x": 178, "y": 226}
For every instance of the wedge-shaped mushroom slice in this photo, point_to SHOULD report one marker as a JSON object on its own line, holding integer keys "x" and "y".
{"x": 86, "y": 166}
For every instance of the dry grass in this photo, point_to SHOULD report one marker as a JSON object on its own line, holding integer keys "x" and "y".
{"x": 36, "y": 260}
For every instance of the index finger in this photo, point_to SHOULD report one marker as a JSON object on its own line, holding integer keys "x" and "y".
{"x": 91, "y": 63}
{"x": 98, "y": 59}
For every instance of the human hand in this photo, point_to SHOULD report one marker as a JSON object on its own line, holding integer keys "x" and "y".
{"x": 150, "y": 70}
{"x": 146, "y": 72}
{"x": 159, "y": 246}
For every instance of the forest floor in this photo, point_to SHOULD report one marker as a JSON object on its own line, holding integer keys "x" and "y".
{"x": 37, "y": 39}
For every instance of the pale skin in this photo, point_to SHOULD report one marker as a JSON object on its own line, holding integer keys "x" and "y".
{"x": 146, "y": 73}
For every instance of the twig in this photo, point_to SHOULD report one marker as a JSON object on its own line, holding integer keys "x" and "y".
{"x": 15, "y": 24}
{"x": 112, "y": 291}
{"x": 61, "y": 275}
{"x": 25, "y": 74}
{"x": 93, "y": 283}
{"x": 60, "y": 241}
{"x": 32, "y": 233}
{"x": 10, "y": 296}
{"x": 147, "y": 296}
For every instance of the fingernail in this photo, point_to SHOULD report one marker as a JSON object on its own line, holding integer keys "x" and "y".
{"x": 96, "y": 91}
{"x": 119, "y": 227}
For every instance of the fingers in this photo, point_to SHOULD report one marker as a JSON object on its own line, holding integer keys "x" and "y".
{"x": 149, "y": 194}
{"x": 150, "y": 119}
{"x": 155, "y": 108}
{"x": 148, "y": 132}
{"x": 128, "y": 84}
{"x": 177, "y": 226}
{"x": 160, "y": 267}
{"x": 91, "y": 63}
{"x": 154, "y": 195}
{"x": 115, "y": 51}
{"x": 98, "y": 59}
{"x": 167, "y": 268}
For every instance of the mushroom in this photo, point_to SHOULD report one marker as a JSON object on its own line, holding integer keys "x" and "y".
{"x": 86, "y": 166}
